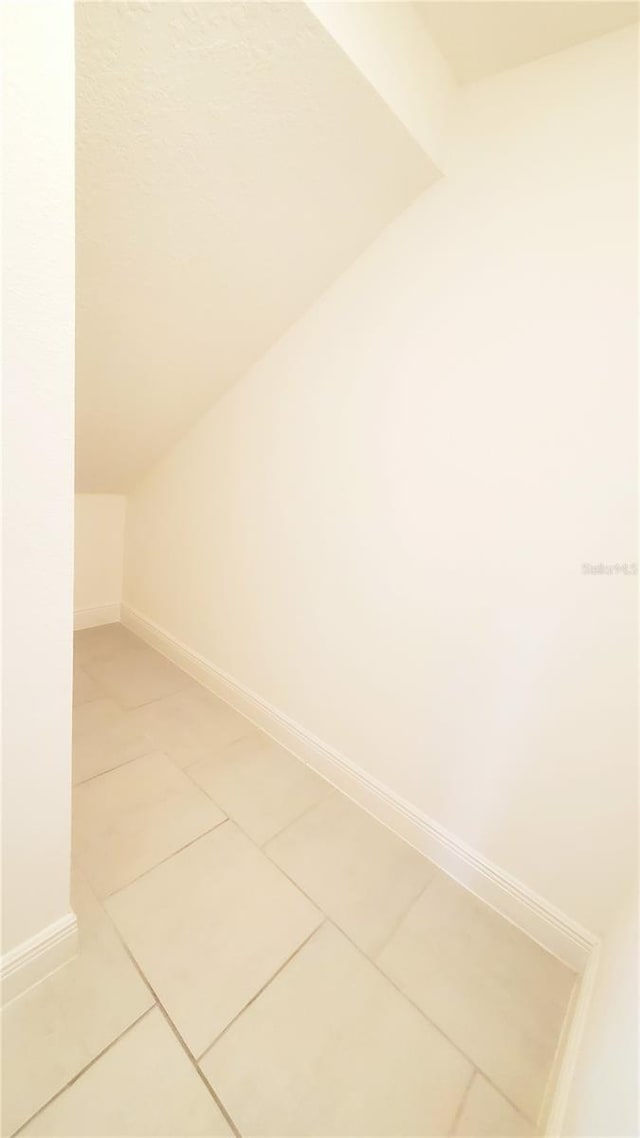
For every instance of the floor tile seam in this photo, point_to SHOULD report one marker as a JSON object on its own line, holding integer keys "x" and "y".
{"x": 328, "y": 918}
{"x": 124, "y": 763}
{"x": 475, "y": 1070}
{"x": 463, "y": 1099}
{"x": 285, "y": 964}
{"x": 298, "y": 817}
{"x": 213, "y": 747}
{"x": 194, "y": 1063}
{"x": 83, "y": 702}
{"x": 264, "y": 843}
{"x": 156, "y": 749}
{"x": 103, "y": 693}
{"x": 156, "y": 997}
{"x": 108, "y": 692}
{"x": 162, "y": 1009}
{"x": 404, "y": 915}
{"x": 436, "y": 1027}
{"x": 145, "y": 702}
{"x": 161, "y": 861}
{"x": 83, "y": 1070}
{"x": 372, "y": 960}
{"x": 167, "y": 695}
{"x": 391, "y": 981}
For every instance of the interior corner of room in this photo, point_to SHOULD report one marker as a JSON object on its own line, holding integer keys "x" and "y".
{"x": 355, "y": 362}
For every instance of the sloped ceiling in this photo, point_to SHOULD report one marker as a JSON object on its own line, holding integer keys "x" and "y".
{"x": 480, "y": 37}
{"x": 231, "y": 162}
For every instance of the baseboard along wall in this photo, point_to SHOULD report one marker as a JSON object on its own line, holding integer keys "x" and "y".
{"x": 91, "y": 618}
{"x": 36, "y": 958}
{"x": 541, "y": 920}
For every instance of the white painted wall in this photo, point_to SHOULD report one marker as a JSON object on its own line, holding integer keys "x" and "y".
{"x": 604, "y": 1097}
{"x": 99, "y": 552}
{"x": 381, "y": 529}
{"x": 37, "y": 440}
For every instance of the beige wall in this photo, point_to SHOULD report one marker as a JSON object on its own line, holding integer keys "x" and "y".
{"x": 381, "y": 529}
{"x": 37, "y": 436}
{"x": 604, "y": 1096}
{"x": 99, "y": 552}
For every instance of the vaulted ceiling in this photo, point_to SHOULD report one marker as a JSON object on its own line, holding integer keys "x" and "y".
{"x": 232, "y": 160}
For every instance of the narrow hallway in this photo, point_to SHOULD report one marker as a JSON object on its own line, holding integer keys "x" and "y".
{"x": 320, "y": 561}
{"x": 258, "y": 955}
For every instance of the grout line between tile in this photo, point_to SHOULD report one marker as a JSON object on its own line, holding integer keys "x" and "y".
{"x": 108, "y": 693}
{"x": 330, "y": 920}
{"x": 298, "y": 817}
{"x": 400, "y": 919}
{"x": 264, "y": 987}
{"x": 307, "y": 809}
{"x": 83, "y": 702}
{"x": 431, "y": 1022}
{"x": 157, "y": 698}
{"x": 463, "y": 1100}
{"x": 372, "y": 961}
{"x": 146, "y": 872}
{"x": 391, "y": 981}
{"x": 82, "y": 1071}
{"x": 194, "y": 1063}
{"x": 158, "y": 1003}
{"x": 216, "y": 747}
{"x": 110, "y": 770}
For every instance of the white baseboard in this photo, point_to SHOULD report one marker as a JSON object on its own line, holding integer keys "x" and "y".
{"x": 558, "y": 1091}
{"x": 541, "y": 920}
{"x": 34, "y": 959}
{"x": 91, "y": 618}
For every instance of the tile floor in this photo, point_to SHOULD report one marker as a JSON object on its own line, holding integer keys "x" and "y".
{"x": 258, "y": 956}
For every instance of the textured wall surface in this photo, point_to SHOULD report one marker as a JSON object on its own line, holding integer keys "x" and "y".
{"x": 231, "y": 163}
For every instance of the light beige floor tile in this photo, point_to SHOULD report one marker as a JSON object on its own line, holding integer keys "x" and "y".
{"x": 55, "y": 1029}
{"x": 209, "y": 927}
{"x": 104, "y": 737}
{"x": 498, "y": 995}
{"x": 215, "y": 722}
{"x": 136, "y": 675}
{"x": 355, "y": 869}
{"x": 487, "y": 1114}
{"x": 330, "y": 1048}
{"x": 106, "y": 641}
{"x": 84, "y": 688}
{"x": 200, "y": 717}
{"x": 191, "y": 724}
{"x": 259, "y": 784}
{"x": 128, "y": 820}
{"x": 143, "y": 1085}
{"x": 171, "y": 731}
{"x": 97, "y": 716}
